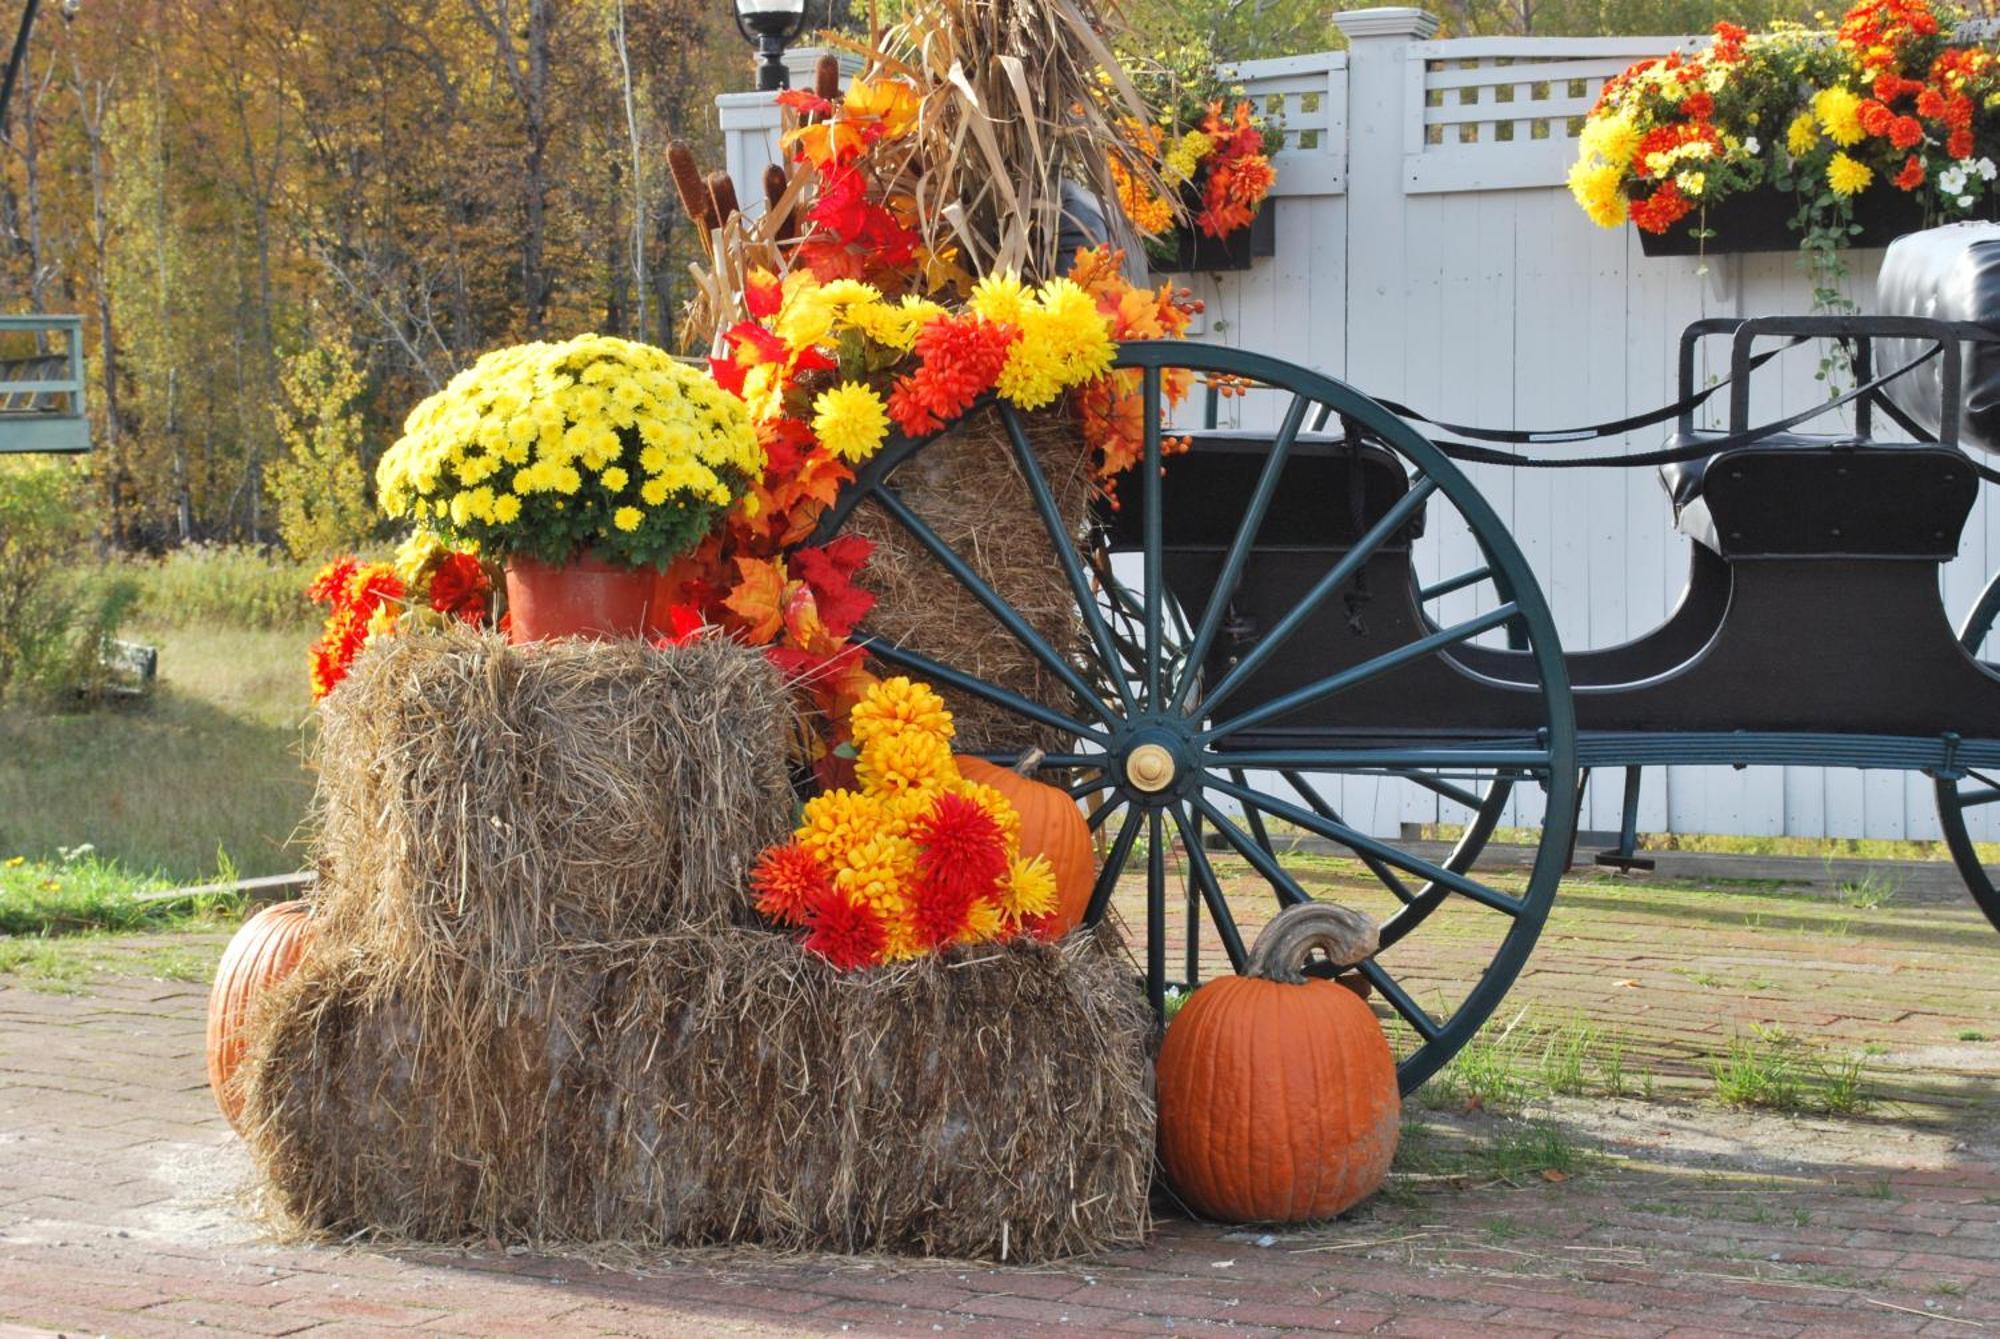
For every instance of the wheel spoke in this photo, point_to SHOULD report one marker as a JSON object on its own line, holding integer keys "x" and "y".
{"x": 1399, "y": 999}
{"x": 1266, "y": 864}
{"x": 1156, "y": 913}
{"x": 1364, "y": 845}
{"x": 1153, "y": 532}
{"x": 1387, "y": 761}
{"x": 1254, "y": 820}
{"x": 1083, "y": 788}
{"x": 1100, "y": 815}
{"x": 939, "y": 672}
{"x": 1439, "y": 786}
{"x": 1114, "y": 864}
{"x": 1211, "y": 890}
{"x": 1371, "y": 668}
{"x": 1009, "y": 617}
{"x": 1239, "y": 549}
{"x": 1450, "y": 584}
{"x": 1350, "y": 563}
{"x": 1972, "y": 799}
{"x": 1065, "y": 546}
{"x": 1397, "y": 888}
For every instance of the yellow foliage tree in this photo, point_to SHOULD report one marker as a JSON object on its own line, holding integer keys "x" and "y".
{"x": 318, "y": 484}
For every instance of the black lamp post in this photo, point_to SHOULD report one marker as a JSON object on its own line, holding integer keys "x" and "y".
{"x": 768, "y": 25}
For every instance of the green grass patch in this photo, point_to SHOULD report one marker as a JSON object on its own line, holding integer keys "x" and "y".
{"x": 211, "y": 762}
{"x": 1774, "y": 1070}
{"x": 1508, "y": 1068}
{"x": 224, "y": 586}
{"x": 66, "y": 966}
{"x": 84, "y": 895}
{"x": 1515, "y": 1152}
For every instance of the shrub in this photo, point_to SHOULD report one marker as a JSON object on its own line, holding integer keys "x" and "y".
{"x": 321, "y": 490}
{"x": 56, "y": 613}
{"x": 228, "y": 586}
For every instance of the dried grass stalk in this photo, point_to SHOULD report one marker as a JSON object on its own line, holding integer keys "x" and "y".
{"x": 479, "y": 801}
{"x": 719, "y": 1085}
{"x": 968, "y": 488}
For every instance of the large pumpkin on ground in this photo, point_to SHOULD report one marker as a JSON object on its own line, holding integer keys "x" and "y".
{"x": 263, "y": 953}
{"x": 1277, "y": 1093}
{"x": 1051, "y": 826}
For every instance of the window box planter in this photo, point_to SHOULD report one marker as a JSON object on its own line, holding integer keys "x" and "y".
{"x": 1761, "y": 220}
{"x": 1190, "y": 251}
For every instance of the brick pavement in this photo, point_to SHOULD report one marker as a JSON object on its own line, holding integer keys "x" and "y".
{"x": 124, "y": 1208}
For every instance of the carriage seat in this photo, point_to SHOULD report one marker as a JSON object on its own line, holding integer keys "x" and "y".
{"x": 1799, "y": 495}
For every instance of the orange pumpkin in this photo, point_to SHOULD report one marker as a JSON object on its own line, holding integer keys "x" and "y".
{"x": 1051, "y": 826}
{"x": 263, "y": 953}
{"x": 1278, "y": 1098}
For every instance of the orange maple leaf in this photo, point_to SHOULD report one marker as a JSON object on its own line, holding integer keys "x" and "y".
{"x": 757, "y": 599}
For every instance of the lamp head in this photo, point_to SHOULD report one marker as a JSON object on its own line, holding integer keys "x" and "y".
{"x": 768, "y": 25}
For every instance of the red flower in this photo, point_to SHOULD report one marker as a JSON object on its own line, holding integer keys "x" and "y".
{"x": 1906, "y": 132}
{"x": 331, "y": 582}
{"x": 959, "y": 358}
{"x": 1698, "y": 107}
{"x": 459, "y": 587}
{"x": 1876, "y": 118}
{"x": 960, "y": 848}
{"x": 763, "y": 294}
{"x": 1930, "y": 104}
{"x": 1729, "y": 41}
{"x": 846, "y": 934}
{"x": 788, "y": 881}
{"x": 939, "y": 911}
{"x": 1662, "y": 210}
{"x": 1960, "y": 144}
{"x": 1912, "y": 175}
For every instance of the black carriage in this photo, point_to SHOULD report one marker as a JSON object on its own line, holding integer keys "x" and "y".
{"x": 1256, "y": 637}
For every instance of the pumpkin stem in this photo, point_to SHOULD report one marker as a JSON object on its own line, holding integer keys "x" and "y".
{"x": 1282, "y": 948}
{"x": 1030, "y": 759}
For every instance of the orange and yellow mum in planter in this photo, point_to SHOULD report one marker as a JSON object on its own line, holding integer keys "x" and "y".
{"x": 916, "y": 860}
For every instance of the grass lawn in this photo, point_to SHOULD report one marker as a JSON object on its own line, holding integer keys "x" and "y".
{"x": 205, "y": 778}
{"x": 65, "y": 921}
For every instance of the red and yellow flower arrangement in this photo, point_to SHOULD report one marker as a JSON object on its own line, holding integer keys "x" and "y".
{"x": 1889, "y": 98}
{"x": 916, "y": 859}
{"x": 364, "y": 600}
{"x": 1222, "y": 166}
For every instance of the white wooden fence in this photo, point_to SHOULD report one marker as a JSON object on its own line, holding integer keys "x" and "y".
{"x": 1428, "y": 251}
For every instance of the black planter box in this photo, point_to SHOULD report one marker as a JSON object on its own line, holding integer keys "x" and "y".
{"x": 1189, "y": 250}
{"x": 1761, "y": 220}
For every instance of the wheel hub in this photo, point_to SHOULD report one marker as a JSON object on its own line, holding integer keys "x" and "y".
{"x": 1150, "y": 768}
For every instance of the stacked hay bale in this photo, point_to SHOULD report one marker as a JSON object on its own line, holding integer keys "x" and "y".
{"x": 539, "y": 1006}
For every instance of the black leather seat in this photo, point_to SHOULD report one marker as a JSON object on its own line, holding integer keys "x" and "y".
{"x": 1797, "y": 495}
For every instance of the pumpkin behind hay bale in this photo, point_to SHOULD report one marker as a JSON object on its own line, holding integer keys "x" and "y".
{"x": 484, "y": 801}
{"x": 716, "y": 1085}
{"x": 1051, "y": 827}
{"x": 967, "y": 487}
{"x": 1278, "y": 1096}
{"x": 262, "y": 953}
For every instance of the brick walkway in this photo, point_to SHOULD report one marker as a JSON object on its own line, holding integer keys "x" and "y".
{"x": 123, "y": 1201}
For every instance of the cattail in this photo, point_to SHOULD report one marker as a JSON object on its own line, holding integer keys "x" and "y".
{"x": 722, "y": 192}
{"x": 826, "y": 76}
{"x": 775, "y": 182}
{"x": 694, "y": 193}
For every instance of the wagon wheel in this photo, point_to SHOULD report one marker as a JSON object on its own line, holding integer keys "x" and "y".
{"x": 1977, "y": 788}
{"x": 1171, "y": 754}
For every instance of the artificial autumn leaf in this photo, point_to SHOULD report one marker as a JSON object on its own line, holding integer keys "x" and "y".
{"x": 757, "y": 599}
{"x": 830, "y": 571}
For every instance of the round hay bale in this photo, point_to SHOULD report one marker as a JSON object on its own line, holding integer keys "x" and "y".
{"x": 968, "y": 487}
{"x": 715, "y": 1085}
{"x": 484, "y": 802}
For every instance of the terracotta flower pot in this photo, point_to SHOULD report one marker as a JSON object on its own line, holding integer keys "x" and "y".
{"x": 584, "y": 597}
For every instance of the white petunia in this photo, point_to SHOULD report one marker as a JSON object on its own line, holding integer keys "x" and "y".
{"x": 1986, "y": 169}
{"x": 1750, "y": 146}
{"x": 1965, "y": 202}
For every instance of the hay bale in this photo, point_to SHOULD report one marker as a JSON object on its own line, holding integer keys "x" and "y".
{"x": 968, "y": 487}
{"x": 480, "y": 802}
{"x": 711, "y": 1086}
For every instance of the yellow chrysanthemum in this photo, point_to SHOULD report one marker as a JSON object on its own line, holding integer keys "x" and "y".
{"x": 1065, "y": 342}
{"x": 506, "y": 509}
{"x": 1001, "y": 298}
{"x": 896, "y": 705}
{"x": 1612, "y": 140}
{"x": 627, "y": 518}
{"x": 837, "y": 821}
{"x": 1802, "y": 135}
{"x": 1600, "y": 190}
{"x": 984, "y": 920}
{"x": 851, "y": 421}
{"x": 416, "y": 556}
{"x": 909, "y": 761}
{"x": 1030, "y": 889}
{"x": 1839, "y": 113}
{"x": 614, "y": 478}
{"x": 1847, "y": 176}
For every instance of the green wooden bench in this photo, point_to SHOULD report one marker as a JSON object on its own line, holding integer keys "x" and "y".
{"x": 41, "y": 391}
